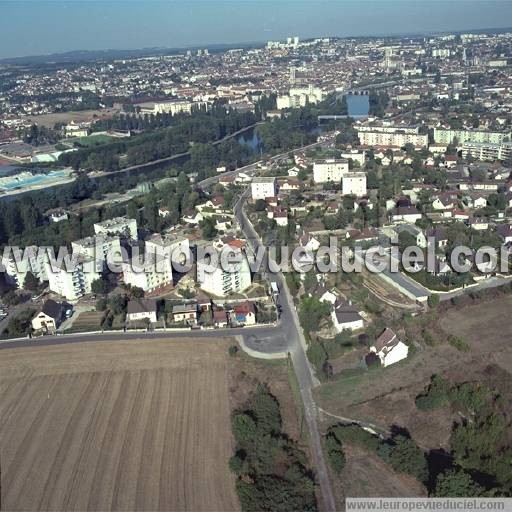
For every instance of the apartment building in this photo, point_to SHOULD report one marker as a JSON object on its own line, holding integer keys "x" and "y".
{"x": 149, "y": 272}
{"x": 354, "y": 184}
{"x": 225, "y": 280}
{"x": 263, "y": 187}
{"x": 488, "y": 151}
{"x": 446, "y": 136}
{"x": 120, "y": 226}
{"x": 177, "y": 106}
{"x": 397, "y": 138}
{"x": 75, "y": 281}
{"x": 175, "y": 249}
{"x": 102, "y": 248}
{"x": 330, "y": 169}
{"x": 21, "y": 261}
{"x": 300, "y": 97}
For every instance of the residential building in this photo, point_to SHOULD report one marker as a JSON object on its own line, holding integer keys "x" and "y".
{"x": 389, "y": 348}
{"x": 354, "y": 184}
{"x": 222, "y": 281}
{"x": 120, "y": 226}
{"x": 100, "y": 247}
{"x": 49, "y": 318}
{"x": 185, "y": 313}
{"x": 149, "y": 273}
{"x": 140, "y": 309}
{"x": 263, "y": 187}
{"x": 21, "y": 261}
{"x": 346, "y": 318}
{"x": 75, "y": 281}
{"x": 487, "y": 151}
{"x": 448, "y": 136}
{"x": 244, "y": 313}
{"x": 398, "y": 138}
{"x": 329, "y": 170}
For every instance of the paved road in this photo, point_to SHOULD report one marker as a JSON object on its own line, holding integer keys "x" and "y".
{"x": 254, "y": 333}
{"x": 290, "y": 329}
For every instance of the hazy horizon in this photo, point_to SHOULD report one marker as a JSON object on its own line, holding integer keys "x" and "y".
{"x": 30, "y": 28}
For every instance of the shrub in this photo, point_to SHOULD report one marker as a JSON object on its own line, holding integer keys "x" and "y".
{"x": 436, "y": 395}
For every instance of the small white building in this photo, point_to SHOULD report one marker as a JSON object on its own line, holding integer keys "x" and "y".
{"x": 354, "y": 184}
{"x": 346, "y": 318}
{"x": 49, "y": 318}
{"x": 263, "y": 187}
{"x": 389, "y": 348}
{"x": 139, "y": 309}
{"x": 329, "y": 170}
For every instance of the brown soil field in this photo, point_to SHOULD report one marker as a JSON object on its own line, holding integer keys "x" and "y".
{"x": 81, "y": 116}
{"x": 138, "y": 425}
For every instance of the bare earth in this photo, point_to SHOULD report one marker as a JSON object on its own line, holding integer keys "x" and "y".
{"x": 81, "y": 116}
{"x": 116, "y": 426}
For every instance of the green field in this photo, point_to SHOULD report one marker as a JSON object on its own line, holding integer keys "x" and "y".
{"x": 91, "y": 140}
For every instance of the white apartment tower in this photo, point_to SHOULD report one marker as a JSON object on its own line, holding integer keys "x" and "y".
{"x": 329, "y": 170}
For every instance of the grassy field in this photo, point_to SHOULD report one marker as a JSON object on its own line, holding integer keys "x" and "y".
{"x": 385, "y": 396}
{"x": 139, "y": 425}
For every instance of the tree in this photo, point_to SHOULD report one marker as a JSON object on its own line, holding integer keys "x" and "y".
{"x": 311, "y": 311}
{"x": 31, "y": 282}
{"x": 406, "y": 456}
{"x": 456, "y": 483}
{"x": 99, "y": 286}
{"x": 335, "y": 453}
{"x": 208, "y": 228}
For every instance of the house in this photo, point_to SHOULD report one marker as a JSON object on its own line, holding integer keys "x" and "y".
{"x": 163, "y": 211}
{"x": 325, "y": 295}
{"x": 477, "y": 200}
{"x": 220, "y": 318}
{"x": 389, "y": 348}
{"x": 443, "y": 202}
{"x": 406, "y": 214}
{"x": 244, "y": 313}
{"x": 185, "y": 313}
{"x": 281, "y": 218}
{"x": 309, "y": 242}
{"x": 441, "y": 267}
{"x": 346, "y": 318}
{"x": 139, "y": 309}
{"x": 49, "y": 318}
{"x": 478, "y": 223}
{"x": 505, "y": 231}
{"x": 58, "y": 215}
{"x": 439, "y": 237}
{"x": 289, "y": 184}
{"x": 414, "y": 231}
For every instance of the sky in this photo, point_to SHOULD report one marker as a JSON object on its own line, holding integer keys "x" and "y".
{"x": 36, "y": 27}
